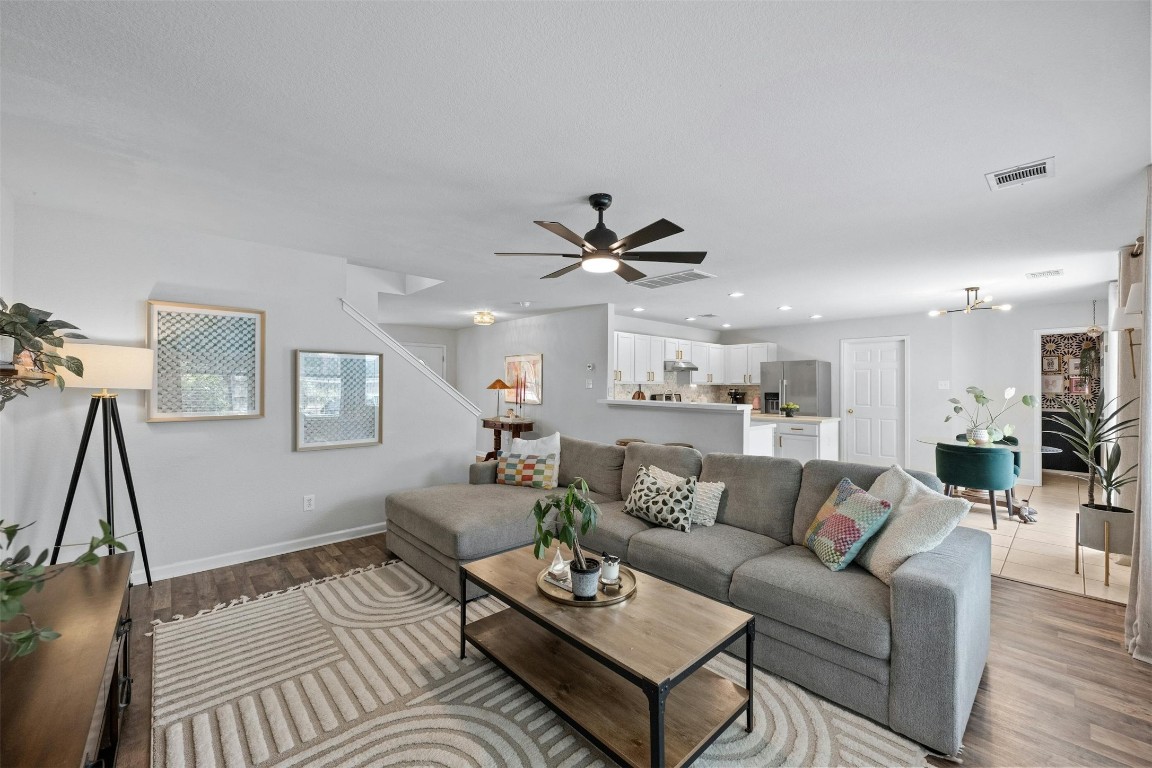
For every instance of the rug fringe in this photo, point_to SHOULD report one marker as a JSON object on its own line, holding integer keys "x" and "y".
{"x": 265, "y": 595}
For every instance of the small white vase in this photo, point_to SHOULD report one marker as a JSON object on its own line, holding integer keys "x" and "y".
{"x": 979, "y": 436}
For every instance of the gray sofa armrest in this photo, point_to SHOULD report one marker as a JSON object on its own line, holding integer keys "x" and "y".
{"x": 941, "y": 604}
{"x": 482, "y": 473}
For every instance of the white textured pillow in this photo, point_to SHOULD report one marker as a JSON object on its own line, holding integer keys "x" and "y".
{"x": 707, "y": 503}
{"x": 540, "y": 447}
{"x": 920, "y": 519}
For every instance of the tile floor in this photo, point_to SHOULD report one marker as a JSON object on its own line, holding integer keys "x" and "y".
{"x": 1042, "y": 553}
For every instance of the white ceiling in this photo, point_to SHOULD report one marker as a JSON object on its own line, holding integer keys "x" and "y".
{"x": 830, "y": 156}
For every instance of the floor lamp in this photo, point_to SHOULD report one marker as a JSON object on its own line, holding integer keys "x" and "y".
{"x": 105, "y": 368}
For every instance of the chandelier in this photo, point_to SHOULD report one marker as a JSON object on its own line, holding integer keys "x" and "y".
{"x": 972, "y": 302}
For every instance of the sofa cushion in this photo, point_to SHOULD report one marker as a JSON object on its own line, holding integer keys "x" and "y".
{"x": 613, "y": 530}
{"x": 524, "y": 469}
{"x": 597, "y": 463}
{"x": 760, "y": 492}
{"x": 850, "y": 607}
{"x": 465, "y": 522}
{"x": 667, "y": 506}
{"x": 820, "y": 478}
{"x": 706, "y": 502}
{"x": 676, "y": 459}
{"x": 847, "y": 520}
{"x": 702, "y": 560}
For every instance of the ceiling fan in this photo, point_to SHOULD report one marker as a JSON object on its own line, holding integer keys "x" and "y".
{"x": 603, "y": 251}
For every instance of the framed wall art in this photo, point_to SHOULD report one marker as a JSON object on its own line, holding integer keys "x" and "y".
{"x": 1073, "y": 365}
{"x": 209, "y": 362}
{"x": 337, "y": 400}
{"x": 1050, "y": 364}
{"x": 1052, "y": 384}
{"x": 1078, "y": 385}
{"x": 529, "y": 370}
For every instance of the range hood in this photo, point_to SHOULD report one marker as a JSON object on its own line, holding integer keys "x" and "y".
{"x": 679, "y": 365}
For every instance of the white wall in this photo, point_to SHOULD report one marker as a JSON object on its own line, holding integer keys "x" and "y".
{"x": 7, "y": 248}
{"x": 420, "y": 334}
{"x": 992, "y": 350}
{"x": 633, "y": 323}
{"x": 569, "y": 341}
{"x": 213, "y": 492}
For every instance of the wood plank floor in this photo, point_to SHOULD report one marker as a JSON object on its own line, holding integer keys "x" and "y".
{"x": 1058, "y": 689}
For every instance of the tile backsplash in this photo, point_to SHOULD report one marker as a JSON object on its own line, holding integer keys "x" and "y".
{"x": 689, "y": 393}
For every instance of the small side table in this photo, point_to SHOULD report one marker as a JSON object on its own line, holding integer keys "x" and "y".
{"x": 498, "y": 424}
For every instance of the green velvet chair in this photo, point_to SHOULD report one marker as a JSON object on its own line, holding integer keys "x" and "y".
{"x": 987, "y": 469}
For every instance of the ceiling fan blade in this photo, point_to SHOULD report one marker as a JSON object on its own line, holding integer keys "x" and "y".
{"x": 648, "y": 234}
{"x": 562, "y": 272}
{"x": 677, "y": 257}
{"x": 557, "y": 228}
{"x": 564, "y": 255}
{"x": 629, "y": 273}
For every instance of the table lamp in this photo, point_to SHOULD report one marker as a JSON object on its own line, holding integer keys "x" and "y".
{"x": 498, "y": 385}
{"x": 107, "y": 368}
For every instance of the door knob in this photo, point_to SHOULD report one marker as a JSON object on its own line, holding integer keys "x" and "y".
{"x": 851, "y": 411}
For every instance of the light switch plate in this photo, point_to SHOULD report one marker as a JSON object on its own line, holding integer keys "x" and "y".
{"x": 943, "y": 385}
{"x": 587, "y": 383}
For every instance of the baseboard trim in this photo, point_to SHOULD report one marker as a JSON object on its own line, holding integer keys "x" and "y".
{"x": 185, "y": 567}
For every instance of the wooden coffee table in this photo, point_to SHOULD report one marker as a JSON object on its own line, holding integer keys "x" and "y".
{"x": 638, "y": 689}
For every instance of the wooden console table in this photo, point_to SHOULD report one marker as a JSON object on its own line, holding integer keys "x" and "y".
{"x": 62, "y": 704}
{"x": 498, "y": 424}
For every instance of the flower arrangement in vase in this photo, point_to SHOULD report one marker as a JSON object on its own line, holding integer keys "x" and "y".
{"x": 985, "y": 428}
{"x": 790, "y": 409}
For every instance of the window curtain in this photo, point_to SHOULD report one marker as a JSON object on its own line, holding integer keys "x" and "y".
{"x": 1138, "y": 616}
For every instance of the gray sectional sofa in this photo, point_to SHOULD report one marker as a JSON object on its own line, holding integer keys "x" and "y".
{"x": 909, "y": 656}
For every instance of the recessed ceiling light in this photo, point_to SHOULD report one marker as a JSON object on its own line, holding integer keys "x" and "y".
{"x": 735, "y": 294}
{"x": 815, "y": 317}
{"x": 637, "y": 309}
{"x": 690, "y": 319}
{"x": 726, "y": 325}
{"x": 784, "y": 308}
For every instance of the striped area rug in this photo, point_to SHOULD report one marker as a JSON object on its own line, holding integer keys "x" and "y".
{"x": 363, "y": 670}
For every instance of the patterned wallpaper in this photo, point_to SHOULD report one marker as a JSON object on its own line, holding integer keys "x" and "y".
{"x": 1061, "y": 379}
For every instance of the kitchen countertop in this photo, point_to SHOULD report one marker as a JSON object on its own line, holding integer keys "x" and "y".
{"x": 722, "y": 407}
{"x": 774, "y": 418}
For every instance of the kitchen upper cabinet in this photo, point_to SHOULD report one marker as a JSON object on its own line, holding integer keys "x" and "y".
{"x": 742, "y": 361}
{"x": 716, "y": 364}
{"x": 709, "y": 360}
{"x": 677, "y": 349}
{"x": 656, "y": 359}
{"x": 624, "y": 365}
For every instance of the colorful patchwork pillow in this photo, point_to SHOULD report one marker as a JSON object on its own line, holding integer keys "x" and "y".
{"x": 849, "y": 517}
{"x": 705, "y": 505}
{"x": 532, "y": 471}
{"x": 651, "y": 500}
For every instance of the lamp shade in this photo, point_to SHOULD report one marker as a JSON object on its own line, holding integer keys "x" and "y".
{"x": 110, "y": 367}
{"x": 499, "y": 384}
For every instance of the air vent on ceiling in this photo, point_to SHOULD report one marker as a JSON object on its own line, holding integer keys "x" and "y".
{"x": 710, "y": 314}
{"x": 1020, "y": 174}
{"x": 663, "y": 281}
{"x": 1045, "y": 273}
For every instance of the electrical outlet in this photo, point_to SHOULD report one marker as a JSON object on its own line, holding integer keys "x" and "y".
{"x": 310, "y": 503}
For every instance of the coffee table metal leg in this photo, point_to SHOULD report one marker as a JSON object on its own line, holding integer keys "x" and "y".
{"x": 656, "y": 699}
{"x": 749, "y": 668}
{"x": 463, "y": 608}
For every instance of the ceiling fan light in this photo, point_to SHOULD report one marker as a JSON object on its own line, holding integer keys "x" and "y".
{"x": 600, "y": 264}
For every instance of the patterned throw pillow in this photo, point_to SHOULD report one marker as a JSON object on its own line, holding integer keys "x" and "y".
{"x": 651, "y": 500}
{"x": 533, "y": 471}
{"x": 706, "y": 504}
{"x": 844, "y": 523}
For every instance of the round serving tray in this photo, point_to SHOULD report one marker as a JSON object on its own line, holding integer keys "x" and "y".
{"x": 604, "y": 595}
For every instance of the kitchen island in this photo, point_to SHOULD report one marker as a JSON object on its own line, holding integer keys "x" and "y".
{"x": 709, "y": 427}
{"x": 797, "y": 437}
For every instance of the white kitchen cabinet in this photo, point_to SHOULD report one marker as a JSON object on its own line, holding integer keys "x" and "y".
{"x": 624, "y": 365}
{"x": 808, "y": 440}
{"x": 716, "y": 365}
{"x": 656, "y": 360}
{"x": 761, "y": 440}
{"x": 699, "y": 356}
{"x": 742, "y": 361}
{"x": 642, "y": 354}
{"x": 677, "y": 349}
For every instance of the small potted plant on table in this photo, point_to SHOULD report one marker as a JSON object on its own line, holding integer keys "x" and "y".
{"x": 575, "y": 515}
{"x": 790, "y": 409}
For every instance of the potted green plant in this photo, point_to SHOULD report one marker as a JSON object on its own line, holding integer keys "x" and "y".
{"x": 575, "y": 515}
{"x": 1087, "y": 428}
{"x": 790, "y": 409}
{"x": 19, "y": 575}
{"x": 29, "y": 346}
{"x": 985, "y": 427}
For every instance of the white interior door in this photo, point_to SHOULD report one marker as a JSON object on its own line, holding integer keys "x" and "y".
{"x": 873, "y": 394}
{"x": 432, "y": 355}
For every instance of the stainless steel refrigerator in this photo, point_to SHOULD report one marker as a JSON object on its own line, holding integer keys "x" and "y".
{"x": 808, "y": 383}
